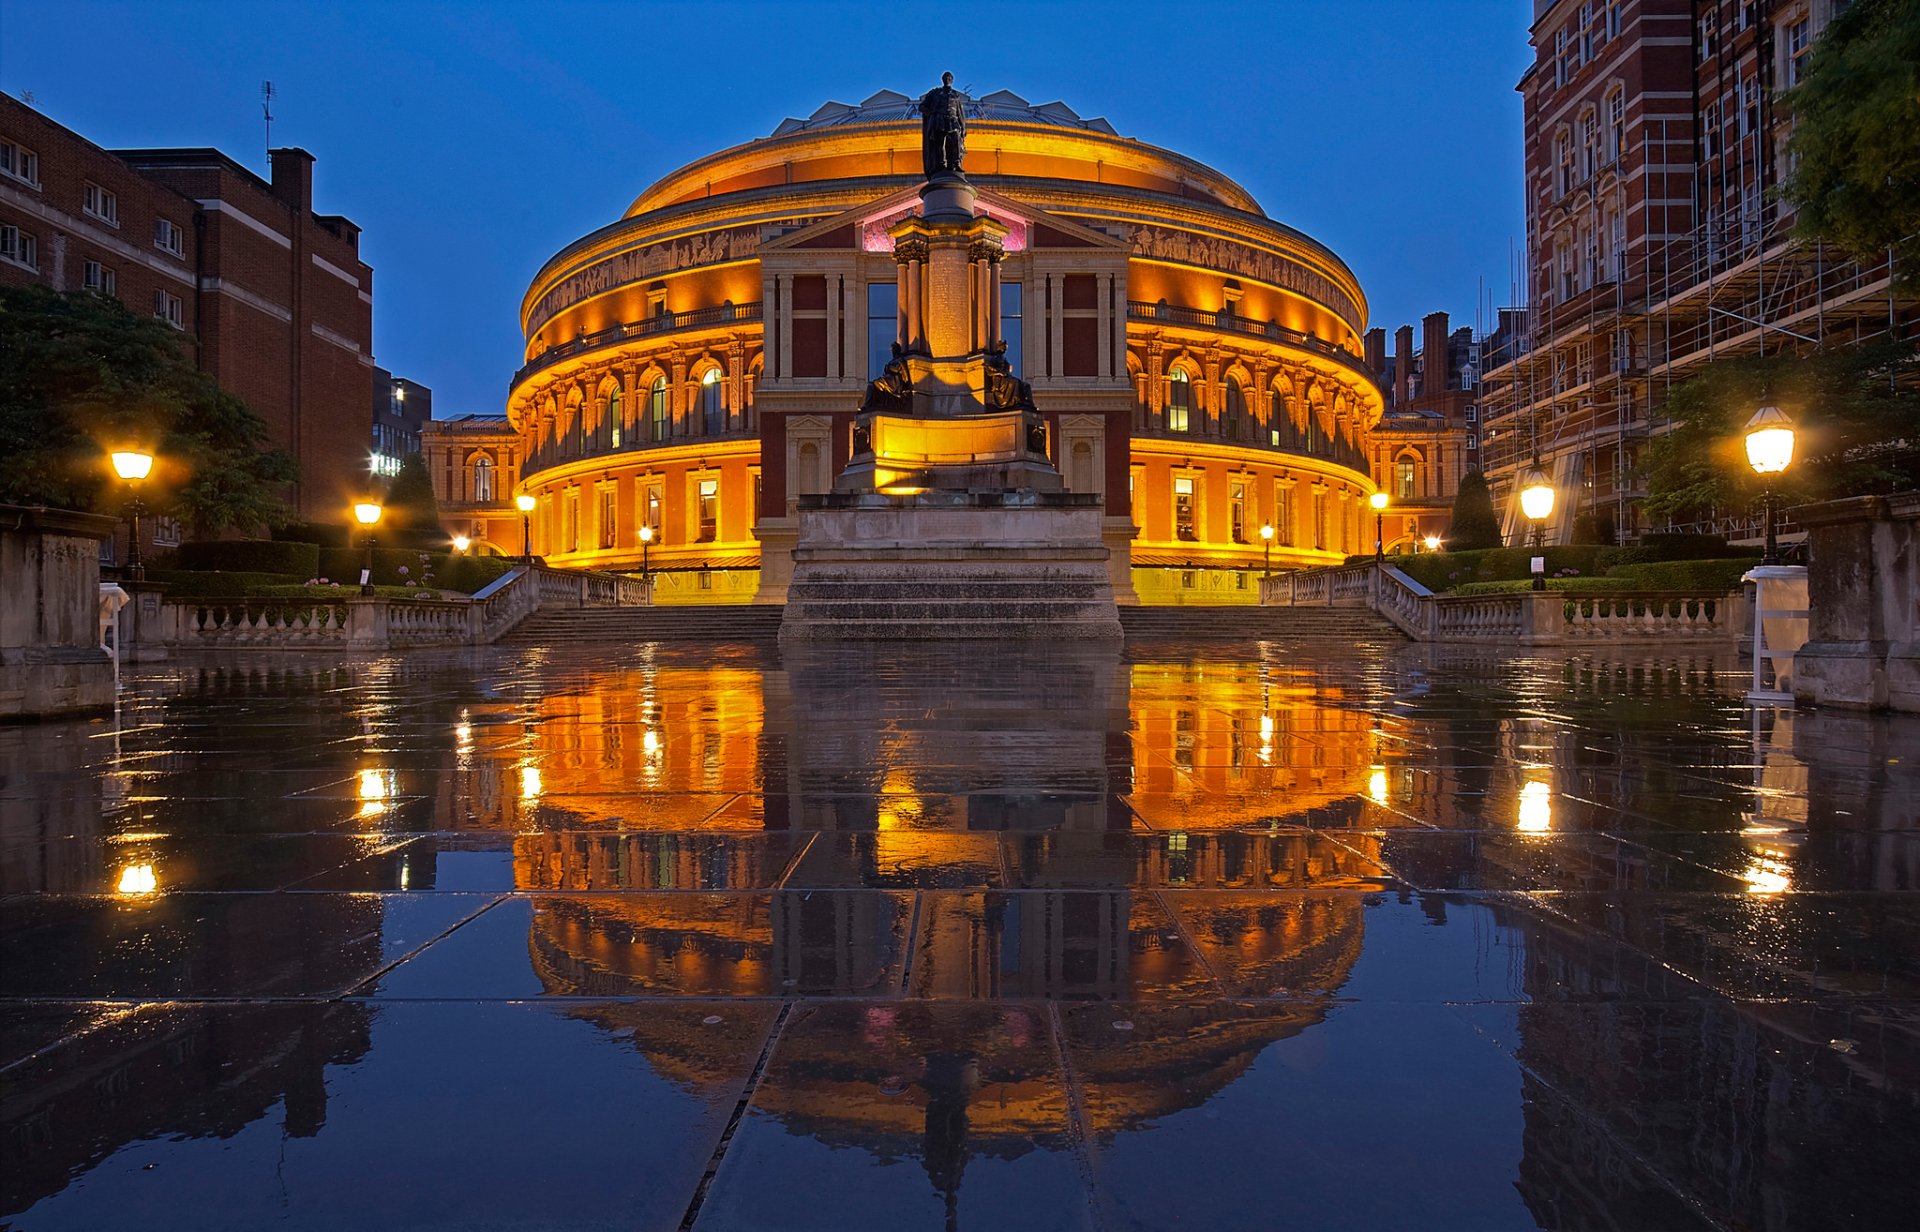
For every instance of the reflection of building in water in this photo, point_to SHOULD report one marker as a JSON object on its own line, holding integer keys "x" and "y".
{"x": 194, "y": 1073}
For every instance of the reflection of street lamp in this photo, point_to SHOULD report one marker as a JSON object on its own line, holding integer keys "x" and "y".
{"x": 133, "y": 465}
{"x": 646, "y": 557}
{"x": 1379, "y": 502}
{"x": 1769, "y": 451}
{"x": 1536, "y": 501}
{"x": 525, "y": 503}
{"x": 367, "y": 513}
{"x": 1266, "y": 538}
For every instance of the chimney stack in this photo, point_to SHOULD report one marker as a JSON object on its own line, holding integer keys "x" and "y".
{"x": 1377, "y": 352}
{"x": 293, "y": 179}
{"x": 1402, "y": 365}
{"x": 1433, "y": 328}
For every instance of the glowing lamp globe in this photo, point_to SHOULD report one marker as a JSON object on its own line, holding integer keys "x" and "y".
{"x": 1769, "y": 440}
{"x": 646, "y": 534}
{"x": 461, "y": 543}
{"x": 1378, "y": 500}
{"x": 524, "y": 502}
{"x": 1536, "y": 495}
{"x": 366, "y": 513}
{"x": 132, "y": 465}
{"x": 1433, "y": 543}
{"x": 1266, "y": 532}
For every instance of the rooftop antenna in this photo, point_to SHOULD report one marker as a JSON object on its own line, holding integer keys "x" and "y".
{"x": 266, "y": 109}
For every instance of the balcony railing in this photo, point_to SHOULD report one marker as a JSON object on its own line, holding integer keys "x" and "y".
{"x": 1195, "y": 318}
{"x": 665, "y": 323}
{"x": 636, "y": 438}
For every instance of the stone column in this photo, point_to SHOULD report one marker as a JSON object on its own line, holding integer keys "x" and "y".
{"x": 902, "y": 329}
{"x": 1105, "y": 317}
{"x": 993, "y": 301}
{"x": 836, "y": 295}
{"x": 783, "y": 284}
{"x": 1056, "y": 323}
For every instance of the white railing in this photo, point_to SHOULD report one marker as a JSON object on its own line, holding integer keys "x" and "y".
{"x": 1534, "y": 618}
{"x": 379, "y": 623}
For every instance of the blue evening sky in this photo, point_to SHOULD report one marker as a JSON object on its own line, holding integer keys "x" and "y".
{"x": 472, "y": 140}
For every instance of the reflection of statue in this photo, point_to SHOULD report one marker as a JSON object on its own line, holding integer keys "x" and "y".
{"x": 943, "y": 130}
{"x": 892, "y": 390}
{"x": 1005, "y": 391}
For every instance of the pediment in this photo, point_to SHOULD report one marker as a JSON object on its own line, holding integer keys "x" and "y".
{"x": 865, "y": 226}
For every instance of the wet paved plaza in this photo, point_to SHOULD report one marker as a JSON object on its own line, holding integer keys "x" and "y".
{"x": 1223, "y": 937}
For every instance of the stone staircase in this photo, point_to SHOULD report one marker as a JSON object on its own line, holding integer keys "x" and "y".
{"x": 1250, "y": 623}
{"x": 720, "y": 623}
{"x": 971, "y": 601}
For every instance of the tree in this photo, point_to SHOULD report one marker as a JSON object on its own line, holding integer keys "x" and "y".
{"x": 80, "y": 375}
{"x": 1856, "y": 135}
{"x": 412, "y": 513}
{"x": 1854, "y": 420}
{"x": 1474, "y": 524}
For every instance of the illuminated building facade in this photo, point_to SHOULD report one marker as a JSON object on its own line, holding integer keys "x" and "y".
{"x": 695, "y": 366}
{"x": 474, "y": 462}
{"x": 1428, "y": 437}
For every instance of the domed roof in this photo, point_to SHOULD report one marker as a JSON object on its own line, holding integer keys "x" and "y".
{"x": 890, "y": 106}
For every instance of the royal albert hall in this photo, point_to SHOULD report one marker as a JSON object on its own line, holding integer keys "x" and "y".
{"x": 695, "y": 366}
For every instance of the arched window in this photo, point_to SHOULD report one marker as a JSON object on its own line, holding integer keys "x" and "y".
{"x": 1235, "y": 427}
{"x": 713, "y": 411}
{"x": 1279, "y": 419}
{"x": 1179, "y": 400}
{"x": 613, "y": 417}
{"x": 657, "y": 409}
{"x": 482, "y": 479}
{"x": 1405, "y": 476}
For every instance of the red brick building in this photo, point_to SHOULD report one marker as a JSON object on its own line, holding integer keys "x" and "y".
{"x": 1655, "y": 244}
{"x": 274, "y": 299}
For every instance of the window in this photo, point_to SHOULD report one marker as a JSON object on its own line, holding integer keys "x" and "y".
{"x": 1710, "y": 131}
{"x": 1183, "y": 510}
{"x": 169, "y": 309}
{"x": 483, "y": 479}
{"x": 1236, "y": 425}
{"x": 1237, "y": 511}
{"x": 709, "y": 510}
{"x": 613, "y": 418}
{"x": 1473, "y": 414}
{"x": 1709, "y": 45}
{"x": 713, "y": 411}
{"x": 1589, "y": 143}
{"x": 1563, "y": 164}
{"x": 166, "y": 532}
{"x": 883, "y": 325}
{"x": 1179, "y": 400}
{"x": 1403, "y": 476}
{"x": 1282, "y": 512}
{"x": 97, "y": 277}
{"x": 20, "y": 163}
{"x": 650, "y": 502}
{"x": 570, "y": 521}
{"x": 657, "y": 409}
{"x": 1011, "y": 327}
{"x": 102, "y": 204}
{"x": 609, "y": 506}
{"x": 1319, "y": 518}
{"x": 19, "y": 247}
{"x": 1616, "y": 124}
{"x": 168, "y": 237}
{"x": 1799, "y": 40}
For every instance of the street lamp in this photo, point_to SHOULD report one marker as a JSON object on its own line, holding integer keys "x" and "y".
{"x": 1433, "y": 543}
{"x": 1266, "y": 538}
{"x": 367, "y": 513}
{"x": 133, "y": 465}
{"x": 646, "y": 558}
{"x": 1536, "y": 501}
{"x": 525, "y": 502}
{"x": 1769, "y": 451}
{"x": 1379, "y": 502}
{"x": 461, "y": 543}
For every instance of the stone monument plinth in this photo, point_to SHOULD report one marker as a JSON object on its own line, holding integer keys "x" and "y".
{"x": 950, "y": 519}
{"x": 51, "y": 659}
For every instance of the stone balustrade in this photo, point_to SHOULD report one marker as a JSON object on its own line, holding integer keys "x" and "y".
{"x": 1531, "y": 618}
{"x": 368, "y": 623}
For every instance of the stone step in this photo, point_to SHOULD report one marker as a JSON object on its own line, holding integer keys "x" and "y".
{"x": 719, "y": 623}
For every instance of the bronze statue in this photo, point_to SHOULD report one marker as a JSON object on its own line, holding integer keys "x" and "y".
{"x": 1005, "y": 391}
{"x": 891, "y": 391}
{"x": 943, "y": 130}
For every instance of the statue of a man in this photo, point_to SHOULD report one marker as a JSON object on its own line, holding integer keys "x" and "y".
{"x": 943, "y": 129}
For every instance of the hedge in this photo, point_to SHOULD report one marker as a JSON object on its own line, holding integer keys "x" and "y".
{"x": 468, "y": 574}
{"x": 1580, "y": 584}
{"x": 1451, "y": 570}
{"x": 294, "y": 560}
{"x": 1716, "y": 576}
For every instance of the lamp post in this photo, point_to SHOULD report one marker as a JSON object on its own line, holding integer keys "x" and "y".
{"x": 1379, "y": 502}
{"x": 367, "y": 513}
{"x": 1536, "y": 501}
{"x": 1433, "y": 543}
{"x": 461, "y": 543}
{"x": 1769, "y": 451}
{"x": 525, "y": 503}
{"x": 1266, "y": 539}
{"x": 646, "y": 558}
{"x": 133, "y": 465}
